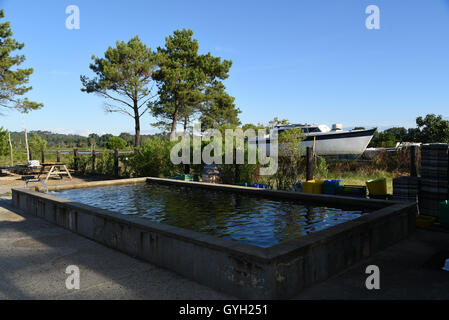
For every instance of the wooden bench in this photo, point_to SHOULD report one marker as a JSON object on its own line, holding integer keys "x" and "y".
{"x": 53, "y": 171}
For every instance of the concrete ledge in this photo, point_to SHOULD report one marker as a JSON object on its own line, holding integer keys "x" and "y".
{"x": 330, "y": 200}
{"x": 237, "y": 268}
{"x": 103, "y": 183}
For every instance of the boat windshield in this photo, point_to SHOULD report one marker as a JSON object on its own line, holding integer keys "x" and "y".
{"x": 314, "y": 129}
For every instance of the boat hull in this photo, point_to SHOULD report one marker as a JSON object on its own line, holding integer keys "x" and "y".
{"x": 341, "y": 145}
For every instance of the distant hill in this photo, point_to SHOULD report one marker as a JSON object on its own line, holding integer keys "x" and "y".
{"x": 60, "y": 141}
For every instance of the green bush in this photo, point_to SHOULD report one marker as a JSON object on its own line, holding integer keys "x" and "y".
{"x": 321, "y": 169}
{"x": 153, "y": 159}
{"x": 116, "y": 143}
{"x": 290, "y": 160}
{"x": 37, "y": 144}
{"x": 4, "y": 144}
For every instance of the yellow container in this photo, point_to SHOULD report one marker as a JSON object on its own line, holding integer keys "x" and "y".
{"x": 307, "y": 186}
{"x": 424, "y": 221}
{"x": 313, "y": 186}
{"x": 318, "y": 186}
{"x": 377, "y": 187}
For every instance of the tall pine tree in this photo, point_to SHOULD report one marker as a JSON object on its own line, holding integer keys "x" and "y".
{"x": 13, "y": 80}
{"x": 189, "y": 83}
{"x": 123, "y": 77}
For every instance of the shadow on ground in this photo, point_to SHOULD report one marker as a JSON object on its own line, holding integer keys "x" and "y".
{"x": 34, "y": 255}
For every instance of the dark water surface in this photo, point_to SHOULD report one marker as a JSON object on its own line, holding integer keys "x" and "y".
{"x": 258, "y": 221}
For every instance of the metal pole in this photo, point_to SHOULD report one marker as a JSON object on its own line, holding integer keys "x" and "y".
{"x": 309, "y": 163}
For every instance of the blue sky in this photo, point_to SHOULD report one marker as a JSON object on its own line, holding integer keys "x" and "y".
{"x": 307, "y": 61}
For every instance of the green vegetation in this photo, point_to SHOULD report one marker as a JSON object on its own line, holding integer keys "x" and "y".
{"x": 153, "y": 159}
{"x": 57, "y": 141}
{"x": 289, "y": 160}
{"x": 116, "y": 143}
{"x": 37, "y": 144}
{"x": 189, "y": 84}
{"x": 13, "y": 80}
{"x": 359, "y": 178}
{"x": 4, "y": 144}
{"x": 431, "y": 128}
{"x": 123, "y": 77}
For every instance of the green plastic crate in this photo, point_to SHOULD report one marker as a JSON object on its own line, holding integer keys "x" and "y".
{"x": 244, "y": 184}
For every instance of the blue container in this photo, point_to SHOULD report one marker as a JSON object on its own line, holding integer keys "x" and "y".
{"x": 297, "y": 187}
{"x": 259, "y": 185}
{"x": 330, "y": 186}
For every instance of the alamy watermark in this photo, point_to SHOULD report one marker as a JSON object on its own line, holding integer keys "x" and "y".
{"x": 373, "y": 280}
{"x": 73, "y": 280}
{"x": 373, "y": 20}
{"x": 73, "y": 20}
{"x": 213, "y": 151}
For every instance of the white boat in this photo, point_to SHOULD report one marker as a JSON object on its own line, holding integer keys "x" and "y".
{"x": 331, "y": 143}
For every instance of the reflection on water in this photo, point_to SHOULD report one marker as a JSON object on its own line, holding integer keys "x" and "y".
{"x": 257, "y": 221}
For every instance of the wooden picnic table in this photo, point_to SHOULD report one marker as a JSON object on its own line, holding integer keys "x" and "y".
{"x": 53, "y": 165}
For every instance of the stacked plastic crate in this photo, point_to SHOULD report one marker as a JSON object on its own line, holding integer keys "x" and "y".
{"x": 406, "y": 189}
{"x": 434, "y": 178}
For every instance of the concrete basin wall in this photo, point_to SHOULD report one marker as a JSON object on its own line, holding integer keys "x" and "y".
{"x": 239, "y": 269}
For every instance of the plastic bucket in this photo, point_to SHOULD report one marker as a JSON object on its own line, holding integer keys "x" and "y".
{"x": 377, "y": 187}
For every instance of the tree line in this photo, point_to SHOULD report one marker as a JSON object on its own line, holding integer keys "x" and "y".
{"x": 67, "y": 141}
{"x": 429, "y": 129}
{"x": 175, "y": 83}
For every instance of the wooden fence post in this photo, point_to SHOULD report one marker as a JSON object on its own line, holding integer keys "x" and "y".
{"x": 75, "y": 159}
{"x": 42, "y": 156}
{"x": 58, "y": 156}
{"x": 413, "y": 161}
{"x": 27, "y": 147}
{"x": 10, "y": 149}
{"x": 116, "y": 163}
{"x": 309, "y": 163}
{"x": 94, "y": 155}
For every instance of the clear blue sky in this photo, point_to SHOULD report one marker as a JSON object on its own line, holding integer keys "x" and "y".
{"x": 307, "y": 61}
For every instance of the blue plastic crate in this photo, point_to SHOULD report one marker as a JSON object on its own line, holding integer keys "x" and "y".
{"x": 330, "y": 186}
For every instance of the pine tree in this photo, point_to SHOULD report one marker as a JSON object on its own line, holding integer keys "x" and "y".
{"x": 13, "y": 80}
{"x": 189, "y": 83}
{"x": 124, "y": 76}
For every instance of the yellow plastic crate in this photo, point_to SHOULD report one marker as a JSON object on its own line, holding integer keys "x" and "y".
{"x": 318, "y": 186}
{"x": 424, "y": 221}
{"x": 377, "y": 187}
{"x": 313, "y": 186}
{"x": 307, "y": 186}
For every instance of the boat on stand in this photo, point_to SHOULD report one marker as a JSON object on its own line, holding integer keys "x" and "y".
{"x": 328, "y": 142}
